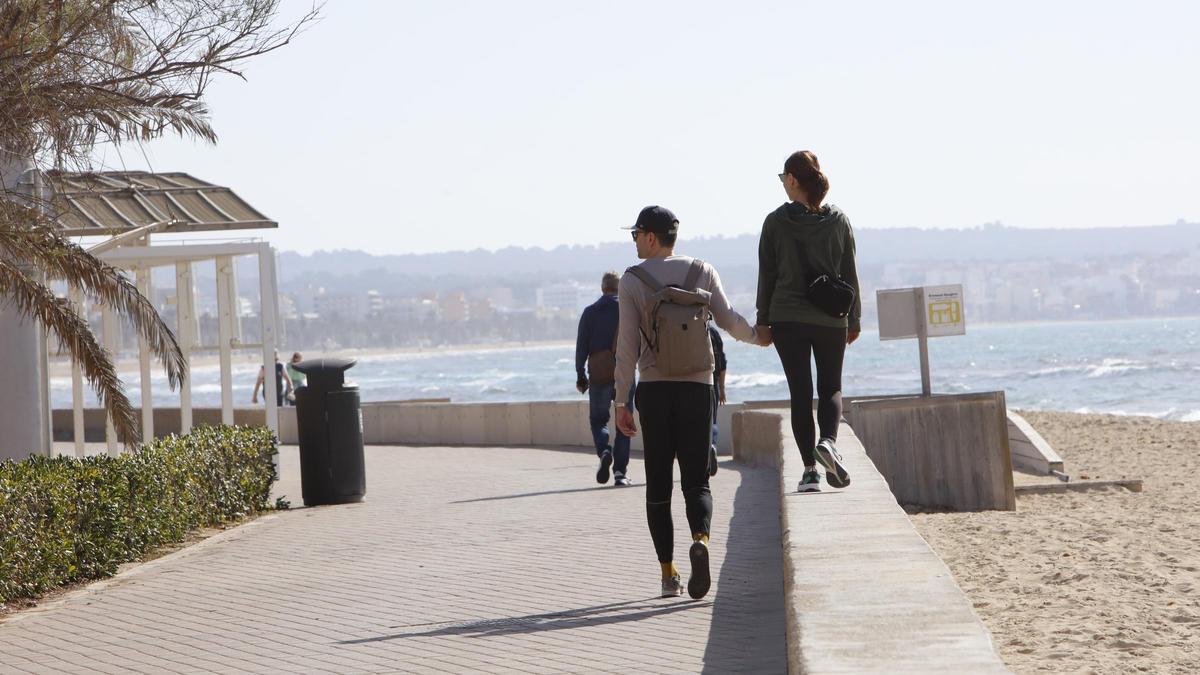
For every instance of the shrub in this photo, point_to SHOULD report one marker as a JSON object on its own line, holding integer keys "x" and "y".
{"x": 64, "y": 519}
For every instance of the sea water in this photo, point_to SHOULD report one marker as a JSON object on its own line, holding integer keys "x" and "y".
{"x": 1133, "y": 367}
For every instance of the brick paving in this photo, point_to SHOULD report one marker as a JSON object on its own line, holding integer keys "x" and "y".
{"x": 462, "y": 560}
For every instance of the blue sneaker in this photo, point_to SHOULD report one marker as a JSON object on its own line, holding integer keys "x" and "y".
{"x": 809, "y": 482}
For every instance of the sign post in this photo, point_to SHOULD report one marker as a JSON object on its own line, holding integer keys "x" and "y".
{"x": 922, "y": 312}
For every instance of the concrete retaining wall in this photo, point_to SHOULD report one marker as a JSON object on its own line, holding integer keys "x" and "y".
{"x": 864, "y": 592}
{"x": 946, "y": 451}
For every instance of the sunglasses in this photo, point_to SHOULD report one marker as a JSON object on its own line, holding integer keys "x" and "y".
{"x": 634, "y": 234}
{"x": 781, "y": 176}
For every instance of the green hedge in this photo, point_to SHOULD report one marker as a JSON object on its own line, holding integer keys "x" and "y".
{"x": 65, "y": 519}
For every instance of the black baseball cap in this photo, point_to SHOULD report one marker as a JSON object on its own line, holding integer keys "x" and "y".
{"x": 657, "y": 219}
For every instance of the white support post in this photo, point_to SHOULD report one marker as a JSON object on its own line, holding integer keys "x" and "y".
{"x": 923, "y": 342}
{"x": 78, "y": 424}
{"x": 184, "y": 313}
{"x": 226, "y": 308}
{"x": 268, "y": 313}
{"x": 111, "y": 329}
{"x": 144, "y": 287}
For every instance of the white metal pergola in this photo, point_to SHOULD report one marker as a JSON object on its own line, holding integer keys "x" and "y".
{"x": 130, "y": 207}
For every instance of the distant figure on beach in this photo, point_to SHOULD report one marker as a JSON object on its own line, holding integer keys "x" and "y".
{"x": 281, "y": 378}
{"x": 296, "y": 376}
{"x": 809, "y": 305}
{"x": 720, "y": 364}
{"x": 664, "y": 305}
{"x": 595, "y": 347}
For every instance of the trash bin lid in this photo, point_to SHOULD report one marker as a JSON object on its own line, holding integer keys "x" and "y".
{"x": 326, "y": 374}
{"x": 324, "y": 366}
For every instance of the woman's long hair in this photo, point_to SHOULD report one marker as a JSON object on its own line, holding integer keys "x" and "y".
{"x": 804, "y": 167}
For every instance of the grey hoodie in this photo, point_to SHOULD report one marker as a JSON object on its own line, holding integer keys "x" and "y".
{"x": 796, "y": 245}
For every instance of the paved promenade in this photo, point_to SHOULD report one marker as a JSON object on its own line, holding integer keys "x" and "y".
{"x": 463, "y": 560}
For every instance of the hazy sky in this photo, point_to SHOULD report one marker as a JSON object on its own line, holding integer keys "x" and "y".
{"x": 400, "y": 127}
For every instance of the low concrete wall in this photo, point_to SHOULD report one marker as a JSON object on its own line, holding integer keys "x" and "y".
{"x": 941, "y": 451}
{"x": 422, "y": 423}
{"x": 864, "y": 592}
{"x": 166, "y": 421}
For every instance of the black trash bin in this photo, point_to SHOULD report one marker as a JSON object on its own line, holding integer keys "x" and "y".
{"x": 329, "y": 422}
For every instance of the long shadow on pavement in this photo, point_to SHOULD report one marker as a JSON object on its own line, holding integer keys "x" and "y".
{"x": 618, "y": 612}
{"x": 747, "y": 632}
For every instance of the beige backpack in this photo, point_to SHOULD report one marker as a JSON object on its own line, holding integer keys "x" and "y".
{"x": 678, "y": 321}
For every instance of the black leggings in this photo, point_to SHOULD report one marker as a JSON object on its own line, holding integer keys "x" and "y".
{"x": 796, "y": 344}
{"x": 676, "y": 424}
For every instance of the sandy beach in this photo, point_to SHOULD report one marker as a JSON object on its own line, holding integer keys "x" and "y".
{"x": 1091, "y": 582}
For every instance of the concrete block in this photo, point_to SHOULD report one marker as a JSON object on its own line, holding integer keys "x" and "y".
{"x": 518, "y": 420}
{"x": 371, "y": 427}
{"x": 289, "y": 434}
{"x": 471, "y": 420}
{"x": 757, "y": 438}
{"x": 495, "y": 423}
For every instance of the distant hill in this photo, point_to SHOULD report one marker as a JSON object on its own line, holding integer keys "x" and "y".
{"x": 994, "y": 242}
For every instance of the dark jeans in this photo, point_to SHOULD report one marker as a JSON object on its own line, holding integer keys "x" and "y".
{"x": 600, "y": 399}
{"x": 676, "y": 425}
{"x": 797, "y": 344}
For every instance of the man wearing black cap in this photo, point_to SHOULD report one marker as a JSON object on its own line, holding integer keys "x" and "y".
{"x": 676, "y": 410}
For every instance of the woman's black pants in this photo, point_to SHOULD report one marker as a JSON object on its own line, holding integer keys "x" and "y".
{"x": 676, "y": 425}
{"x": 798, "y": 344}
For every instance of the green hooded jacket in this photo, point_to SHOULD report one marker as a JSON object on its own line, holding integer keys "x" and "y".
{"x": 797, "y": 244}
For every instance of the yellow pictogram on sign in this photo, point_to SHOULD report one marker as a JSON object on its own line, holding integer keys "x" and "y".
{"x": 942, "y": 313}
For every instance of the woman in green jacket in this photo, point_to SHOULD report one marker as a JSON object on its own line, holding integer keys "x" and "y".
{"x": 801, "y": 241}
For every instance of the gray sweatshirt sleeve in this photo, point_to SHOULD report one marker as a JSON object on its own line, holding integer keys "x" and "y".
{"x": 724, "y": 313}
{"x": 630, "y": 298}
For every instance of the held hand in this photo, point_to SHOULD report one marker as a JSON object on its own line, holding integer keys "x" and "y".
{"x": 254, "y": 399}
{"x": 851, "y": 336}
{"x": 764, "y": 337}
{"x": 625, "y": 421}
{"x": 721, "y": 395}
{"x": 581, "y": 385}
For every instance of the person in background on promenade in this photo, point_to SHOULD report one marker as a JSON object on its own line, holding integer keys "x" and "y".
{"x": 296, "y": 376}
{"x": 718, "y": 399}
{"x": 595, "y": 346}
{"x": 675, "y": 409}
{"x": 801, "y": 242}
{"x": 281, "y": 378}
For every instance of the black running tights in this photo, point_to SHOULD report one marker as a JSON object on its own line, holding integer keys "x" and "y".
{"x": 676, "y": 425}
{"x": 796, "y": 344}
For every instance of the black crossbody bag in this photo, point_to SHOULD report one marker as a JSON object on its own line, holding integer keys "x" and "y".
{"x": 829, "y": 292}
{"x": 832, "y": 295}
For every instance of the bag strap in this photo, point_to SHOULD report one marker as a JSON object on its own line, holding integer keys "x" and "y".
{"x": 647, "y": 278}
{"x": 693, "y": 275}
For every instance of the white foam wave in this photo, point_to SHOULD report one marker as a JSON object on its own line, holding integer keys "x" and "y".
{"x": 748, "y": 380}
{"x": 1115, "y": 367}
{"x": 1193, "y": 416}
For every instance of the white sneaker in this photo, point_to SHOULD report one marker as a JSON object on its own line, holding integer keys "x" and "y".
{"x": 672, "y": 587}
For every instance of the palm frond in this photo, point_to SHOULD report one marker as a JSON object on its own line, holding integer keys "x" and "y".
{"x": 26, "y": 235}
{"x": 36, "y": 300}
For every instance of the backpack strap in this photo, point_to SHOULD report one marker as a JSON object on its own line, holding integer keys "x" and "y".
{"x": 647, "y": 278}
{"x": 693, "y": 275}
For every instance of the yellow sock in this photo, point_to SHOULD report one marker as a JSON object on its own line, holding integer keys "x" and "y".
{"x": 669, "y": 570}
{"x": 700, "y": 537}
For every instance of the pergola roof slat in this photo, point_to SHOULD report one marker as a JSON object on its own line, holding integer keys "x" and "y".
{"x": 112, "y": 202}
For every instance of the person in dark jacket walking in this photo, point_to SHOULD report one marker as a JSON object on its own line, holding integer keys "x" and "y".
{"x": 595, "y": 346}
{"x": 720, "y": 365}
{"x": 801, "y": 241}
